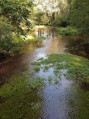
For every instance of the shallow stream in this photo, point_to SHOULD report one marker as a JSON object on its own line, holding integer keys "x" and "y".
{"x": 65, "y": 100}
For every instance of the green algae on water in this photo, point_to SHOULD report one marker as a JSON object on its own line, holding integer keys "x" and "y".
{"x": 76, "y": 67}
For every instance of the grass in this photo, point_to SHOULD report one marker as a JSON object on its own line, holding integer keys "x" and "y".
{"x": 77, "y": 67}
{"x": 50, "y": 79}
{"x": 34, "y": 84}
{"x": 68, "y": 31}
{"x": 37, "y": 68}
{"x": 20, "y": 99}
{"x": 20, "y": 92}
{"x": 46, "y": 68}
{"x": 56, "y": 81}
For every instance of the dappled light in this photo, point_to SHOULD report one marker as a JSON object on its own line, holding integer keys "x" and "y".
{"x": 44, "y": 59}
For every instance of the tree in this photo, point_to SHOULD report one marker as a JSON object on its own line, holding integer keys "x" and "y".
{"x": 12, "y": 14}
{"x": 79, "y": 14}
{"x": 16, "y": 11}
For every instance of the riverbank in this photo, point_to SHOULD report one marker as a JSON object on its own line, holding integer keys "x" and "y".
{"x": 53, "y": 81}
{"x": 57, "y": 78}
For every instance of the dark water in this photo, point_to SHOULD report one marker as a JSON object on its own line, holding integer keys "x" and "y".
{"x": 62, "y": 101}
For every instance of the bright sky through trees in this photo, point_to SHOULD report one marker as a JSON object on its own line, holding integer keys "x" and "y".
{"x": 50, "y": 5}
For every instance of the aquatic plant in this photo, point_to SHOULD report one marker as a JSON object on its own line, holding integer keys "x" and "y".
{"x": 37, "y": 68}
{"x": 56, "y": 81}
{"x": 20, "y": 99}
{"x": 50, "y": 79}
{"x": 46, "y": 68}
{"x": 77, "y": 67}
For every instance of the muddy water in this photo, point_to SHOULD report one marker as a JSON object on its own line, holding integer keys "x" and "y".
{"x": 64, "y": 100}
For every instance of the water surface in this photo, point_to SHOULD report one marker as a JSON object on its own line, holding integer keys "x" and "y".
{"x": 61, "y": 101}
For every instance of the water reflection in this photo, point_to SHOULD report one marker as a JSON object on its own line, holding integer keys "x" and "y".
{"x": 53, "y": 43}
{"x": 77, "y": 45}
{"x": 60, "y": 101}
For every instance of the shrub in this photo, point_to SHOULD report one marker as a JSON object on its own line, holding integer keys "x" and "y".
{"x": 79, "y": 15}
{"x": 61, "y": 20}
{"x": 68, "y": 31}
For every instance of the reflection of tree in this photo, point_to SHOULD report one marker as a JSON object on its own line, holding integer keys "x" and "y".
{"x": 77, "y": 45}
{"x": 39, "y": 32}
{"x": 77, "y": 103}
{"x": 46, "y": 33}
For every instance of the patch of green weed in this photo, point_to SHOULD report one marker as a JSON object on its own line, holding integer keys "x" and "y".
{"x": 77, "y": 67}
{"x": 18, "y": 95}
{"x": 37, "y": 68}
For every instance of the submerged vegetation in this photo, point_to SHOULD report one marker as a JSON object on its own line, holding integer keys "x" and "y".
{"x": 23, "y": 91}
{"x": 71, "y": 66}
{"x": 20, "y": 94}
{"x": 19, "y": 97}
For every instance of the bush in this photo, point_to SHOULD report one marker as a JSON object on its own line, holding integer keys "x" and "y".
{"x": 68, "y": 31}
{"x": 61, "y": 20}
{"x": 10, "y": 42}
{"x": 79, "y": 15}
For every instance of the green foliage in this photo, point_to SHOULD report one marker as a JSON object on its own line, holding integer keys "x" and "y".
{"x": 68, "y": 31}
{"x": 50, "y": 79}
{"x": 79, "y": 14}
{"x": 37, "y": 68}
{"x": 60, "y": 20}
{"x": 13, "y": 13}
{"x": 77, "y": 67}
{"x": 10, "y": 42}
{"x": 38, "y": 17}
{"x": 34, "y": 84}
{"x": 56, "y": 81}
{"x": 46, "y": 68}
{"x": 20, "y": 99}
{"x": 16, "y": 12}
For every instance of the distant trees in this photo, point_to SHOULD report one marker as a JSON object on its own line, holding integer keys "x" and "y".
{"x": 55, "y": 11}
{"x": 15, "y": 13}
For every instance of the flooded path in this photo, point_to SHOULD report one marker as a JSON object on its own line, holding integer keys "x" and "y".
{"x": 53, "y": 43}
{"x": 61, "y": 101}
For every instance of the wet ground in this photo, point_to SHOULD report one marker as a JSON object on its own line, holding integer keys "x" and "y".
{"x": 61, "y": 101}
